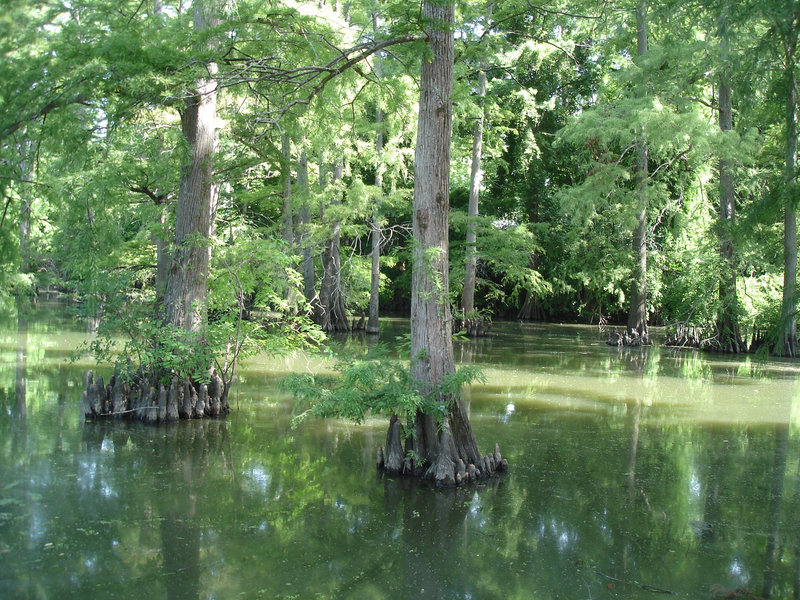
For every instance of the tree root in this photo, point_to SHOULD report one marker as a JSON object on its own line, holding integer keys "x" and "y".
{"x": 630, "y": 338}
{"x": 444, "y": 471}
{"x": 139, "y": 399}
{"x": 473, "y": 326}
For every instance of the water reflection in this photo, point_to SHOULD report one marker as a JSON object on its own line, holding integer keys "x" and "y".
{"x": 632, "y": 472}
{"x": 774, "y": 508}
{"x": 150, "y": 494}
{"x": 20, "y": 374}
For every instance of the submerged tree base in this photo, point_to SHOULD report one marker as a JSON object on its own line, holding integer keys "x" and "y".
{"x": 473, "y": 326}
{"x": 444, "y": 471}
{"x": 629, "y": 337}
{"x": 709, "y": 338}
{"x": 136, "y": 398}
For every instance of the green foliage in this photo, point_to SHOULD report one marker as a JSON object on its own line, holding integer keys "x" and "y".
{"x": 372, "y": 385}
{"x": 505, "y": 254}
{"x": 248, "y": 313}
{"x": 92, "y": 99}
{"x": 254, "y": 294}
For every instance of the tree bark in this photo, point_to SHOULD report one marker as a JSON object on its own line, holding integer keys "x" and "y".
{"x": 431, "y": 321}
{"x": 185, "y": 296}
{"x": 286, "y": 177}
{"x": 373, "y": 324}
{"x": 162, "y": 256}
{"x": 438, "y": 451}
{"x": 637, "y": 314}
{"x": 475, "y": 177}
{"x": 729, "y": 338}
{"x": 786, "y": 343}
{"x": 332, "y": 314}
{"x": 135, "y": 397}
{"x": 304, "y": 218}
{"x": 27, "y": 155}
{"x": 186, "y": 290}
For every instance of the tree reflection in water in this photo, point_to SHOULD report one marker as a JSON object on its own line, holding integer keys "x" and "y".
{"x": 630, "y": 474}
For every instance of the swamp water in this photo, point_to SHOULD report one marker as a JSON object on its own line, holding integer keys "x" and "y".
{"x": 633, "y": 474}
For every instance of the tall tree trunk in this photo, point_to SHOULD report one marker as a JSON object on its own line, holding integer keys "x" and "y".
{"x": 437, "y": 450}
{"x": 186, "y": 290}
{"x": 304, "y": 219}
{"x": 373, "y": 324}
{"x": 162, "y": 255}
{"x": 637, "y": 314}
{"x": 286, "y": 177}
{"x": 475, "y": 177}
{"x": 332, "y": 314}
{"x": 27, "y": 155}
{"x": 729, "y": 336}
{"x": 786, "y": 343}
{"x": 468, "y": 295}
{"x": 287, "y": 220}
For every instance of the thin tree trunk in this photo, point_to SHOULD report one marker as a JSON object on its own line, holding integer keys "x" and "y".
{"x": 26, "y": 150}
{"x": 637, "y": 315}
{"x": 162, "y": 255}
{"x": 468, "y": 295}
{"x": 475, "y": 177}
{"x": 786, "y": 343}
{"x": 286, "y": 177}
{"x": 373, "y": 324}
{"x": 304, "y": 218}
{"x": 332, "y": 312}
{"x": 729, "y": 339}
{"x": 287, "y": 220}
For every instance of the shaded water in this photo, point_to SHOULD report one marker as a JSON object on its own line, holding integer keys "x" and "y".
{"x": 632, "y": 473}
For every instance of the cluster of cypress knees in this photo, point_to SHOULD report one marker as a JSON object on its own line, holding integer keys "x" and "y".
{"x": 136, "y": 398}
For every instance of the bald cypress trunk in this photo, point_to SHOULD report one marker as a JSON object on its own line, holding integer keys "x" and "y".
{"x": 476, "y": 175}
{"x": 373, "y": 325}
{"x": 286, "y": 177}
{"x": 304, "y": 219}
{"x": 637, "y": 314}
{"x": 331, "y": 310}
{"x": 786, "y": 343}
{"x": 187, "y": 286}
{"x": 443, "y": 451}
{"x": 186, "y": 291}
{"x": 27, "y": 155}
{"x": 729, "y": 338}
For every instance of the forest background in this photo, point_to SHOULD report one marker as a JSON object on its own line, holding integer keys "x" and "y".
{"x": 611, "y": 162}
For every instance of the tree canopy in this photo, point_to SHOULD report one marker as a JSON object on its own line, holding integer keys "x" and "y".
{"x": 624, "y": 163}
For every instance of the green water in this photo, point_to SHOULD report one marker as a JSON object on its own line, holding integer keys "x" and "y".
{"x": 632, "y": 474}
